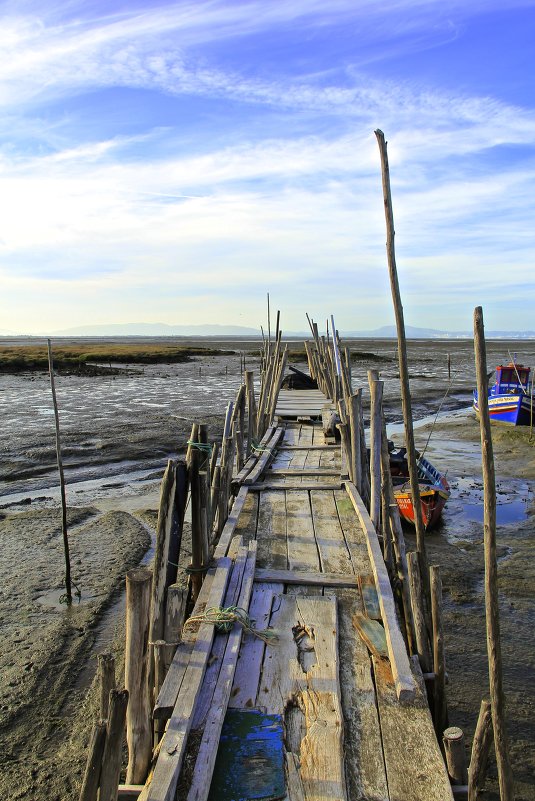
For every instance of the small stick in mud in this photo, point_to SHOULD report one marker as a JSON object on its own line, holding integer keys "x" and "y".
{"x": 68, "y": 583}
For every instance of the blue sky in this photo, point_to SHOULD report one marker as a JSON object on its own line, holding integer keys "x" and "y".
{"x": 173, "y": 162}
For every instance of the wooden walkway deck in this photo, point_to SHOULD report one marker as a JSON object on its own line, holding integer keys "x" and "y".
{"x": 355, "y": 725}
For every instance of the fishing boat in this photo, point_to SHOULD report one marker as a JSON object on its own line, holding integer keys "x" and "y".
{"x": 434, "y": 487}
{"x": 509, "y": 399}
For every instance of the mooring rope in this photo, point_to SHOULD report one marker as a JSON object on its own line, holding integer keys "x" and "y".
{"x": 200, "y": 446}
{"x": 435, "y": 420}
{"x": 258, "y": 449}
{"x": 224, "y": 619}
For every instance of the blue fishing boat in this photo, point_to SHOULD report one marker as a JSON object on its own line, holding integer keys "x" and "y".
{"x": 511, "y": 397}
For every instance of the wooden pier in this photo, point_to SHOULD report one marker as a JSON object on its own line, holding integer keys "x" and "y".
{"x": 291, "y": 678}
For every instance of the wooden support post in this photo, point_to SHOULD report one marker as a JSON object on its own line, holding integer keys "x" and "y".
{"x": 165, "y": 553}
{"x": 439, "y": 661}
{"x": 418, "y": 616}
{"x": 455, "y": 751}
{"x": 403, "y": 363}
{"x": 376, "y": 389}
{"x": 251, "y": 411}
{"x": 481, "y": 746}
{"x": 177, "y": 600}
{"x": 106, "y": 675}
{"x": 68, "y": 582}
{"x": 197, "y": 551}
{"x": 138, "y": 723}
{"x": 91, "y": 780}
{"x": 355, "y": 406}
{"x": 497, "y": 695}
{"x": 113, "y": 749}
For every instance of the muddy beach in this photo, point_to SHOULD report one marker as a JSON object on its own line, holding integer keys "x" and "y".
{"x": 118, "y": 432}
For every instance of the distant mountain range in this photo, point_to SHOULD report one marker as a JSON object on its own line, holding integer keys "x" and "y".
{"x": 163, "y": 330}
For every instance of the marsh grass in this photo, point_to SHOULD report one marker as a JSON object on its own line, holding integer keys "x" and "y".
{"x": 78, "y": 358}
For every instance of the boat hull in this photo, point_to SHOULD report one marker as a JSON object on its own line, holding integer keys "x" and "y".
{"x": 432, "y": 500}
{"x": 514, "y": 410}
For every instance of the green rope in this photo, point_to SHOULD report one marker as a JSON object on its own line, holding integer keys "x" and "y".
{"x": 200, "y": 446}
{"x": 258, "y": 449}
{"x": 224, "y": 619}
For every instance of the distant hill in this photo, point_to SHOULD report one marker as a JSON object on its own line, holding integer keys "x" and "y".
{"x": 157, "y": 330}
{"x": 211, "y": 330}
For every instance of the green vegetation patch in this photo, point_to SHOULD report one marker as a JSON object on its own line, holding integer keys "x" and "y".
{"x": 367, "y": 356}
{"x": 78, "y": 358}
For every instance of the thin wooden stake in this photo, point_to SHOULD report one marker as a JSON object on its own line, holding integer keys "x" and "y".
{"x": 138, "y": 716}
{"x": 481, "y": 746}
{"x": 497, "y": 696}
{"x": 68, "y": 583}
{"x": 91, "y": 780}
{"x": 403, "y": 364}
{"x": 106, "y": 673}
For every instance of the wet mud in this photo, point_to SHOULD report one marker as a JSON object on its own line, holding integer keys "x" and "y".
{"x": 117, "y": 433}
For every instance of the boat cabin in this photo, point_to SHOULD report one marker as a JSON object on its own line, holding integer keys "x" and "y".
{"x": 511, "y": 379}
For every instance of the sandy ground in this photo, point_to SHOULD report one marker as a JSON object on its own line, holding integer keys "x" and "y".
{"x": 118, "y": 435}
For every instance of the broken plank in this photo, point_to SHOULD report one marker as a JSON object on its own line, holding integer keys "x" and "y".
{"x": 305, "y": 577}
{"x": 414, "y": 765}
{"x": 370, "y": 598}
{"x": 168, "y": 766}
{"x": 372, "y": 634}
{"x": 365, "y": 767}
{"x": 204, "y": 765}
{"x": 397, "y": 652}
{"x": 300, "y": 682}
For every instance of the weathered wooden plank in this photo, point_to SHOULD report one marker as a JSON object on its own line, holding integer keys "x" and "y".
{"x": 293, "y": 485}
{"x": 302, "y": 549}
{"x": 246, "y": 526}
{"x": 399, "y": 660}
{"x": 305, "y": 577}
{"x": 167, "y": 769}
{"x": 302, "y": 471}
{"x": 247, "y": 675}
{"x": 372, "y": 635}
{"x": 204, "y": 765}
{"x": 252, "y": 460}
{"x": 171, "y": 685}
{"x": 414, "y": 765}
{"x": 271, "y": 531}
{"x": 333, "y": 551}
{"x": 327, "y": 448}
{"x": 230, "y": 526}
{"x": 265, "y": 458}
{"x": 300, "y": 682}
{"x": 353, "y": 533}
{"x": 365, "y": 768}
{"x": 370, "y": 598}
{"x": 220, "y": 642}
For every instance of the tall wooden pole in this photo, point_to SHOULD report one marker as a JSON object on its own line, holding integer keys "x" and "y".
{"x": 497, "y": 697}
{"x": 68, "y": 583}
{"x": 402, "y": 356}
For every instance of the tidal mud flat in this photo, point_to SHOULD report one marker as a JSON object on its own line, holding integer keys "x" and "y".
{"x": 118, "y": 431}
